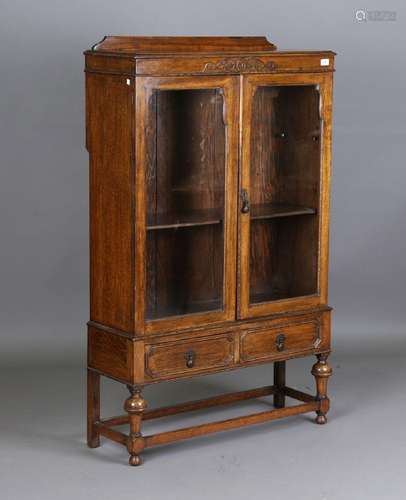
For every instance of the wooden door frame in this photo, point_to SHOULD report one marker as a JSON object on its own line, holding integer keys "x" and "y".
{"x": 230, "y": 89}
{"x": 249, "y": 84}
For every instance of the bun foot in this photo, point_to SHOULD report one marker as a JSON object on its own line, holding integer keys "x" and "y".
{"x": 321, "y": 419}
{"x": 135, "y": 460}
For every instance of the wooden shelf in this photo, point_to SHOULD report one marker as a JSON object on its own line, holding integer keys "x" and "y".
{"x": 183, "y": 309}
{"x": 275, "y": 210}
{"x": 193, "y": 218}
{"x": 269, "y": 296}
{"x": 212, "y": 216}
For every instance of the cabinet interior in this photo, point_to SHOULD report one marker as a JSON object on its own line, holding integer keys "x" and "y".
{"x": 185, "y": 200}
{"x": 186, "y": 144}
{"x": 284, "y": 192}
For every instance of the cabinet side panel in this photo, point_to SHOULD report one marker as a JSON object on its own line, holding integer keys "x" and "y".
{"x": 110, "y": 354}
{"x": 109, "y": 141}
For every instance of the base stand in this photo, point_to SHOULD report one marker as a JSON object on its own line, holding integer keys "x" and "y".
{"x": 135, "y": 406}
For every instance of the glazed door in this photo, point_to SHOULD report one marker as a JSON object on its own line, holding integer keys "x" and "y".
{"x": 186, "y": 201}
{"x": 284, "y": 193}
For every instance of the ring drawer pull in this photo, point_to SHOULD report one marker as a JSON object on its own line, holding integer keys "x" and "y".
{"x": 190, "y": 359}
{"x": 280, "y": 342}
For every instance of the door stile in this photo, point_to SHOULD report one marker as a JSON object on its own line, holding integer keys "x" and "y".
{"x": 326, "y": 95}
{"x": 246, "y": 93}
{"x": 142, "y": 95}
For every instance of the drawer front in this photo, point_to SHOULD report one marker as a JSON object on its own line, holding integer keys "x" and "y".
{"x": 288, "y": 339}
{"x": 188, "y": 356}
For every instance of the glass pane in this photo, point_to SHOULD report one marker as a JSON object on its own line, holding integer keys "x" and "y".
{"x": 185, "y": 202}
{"x": 284, "y": 192}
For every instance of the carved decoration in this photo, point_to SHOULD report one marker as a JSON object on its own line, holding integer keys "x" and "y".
{"x": 241, "y": 65}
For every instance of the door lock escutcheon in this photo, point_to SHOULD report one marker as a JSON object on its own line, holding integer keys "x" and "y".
{"x": 190, "y": 359}
{"x": 280, "y": 342}
{"x": 245, "y": 202}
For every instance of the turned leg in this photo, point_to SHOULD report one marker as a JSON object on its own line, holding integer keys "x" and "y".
{"x": 322, "y": 371}
{"x": 279, "y": 381}
{"x": 134, "y": 406}
{"x": 93, "y": 408}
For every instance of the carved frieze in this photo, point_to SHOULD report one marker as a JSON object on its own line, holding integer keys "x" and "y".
{"x": 240, "y": 65}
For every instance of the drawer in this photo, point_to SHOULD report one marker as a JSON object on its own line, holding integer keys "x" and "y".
{"x": 284, "y": 339}
{"x": 188, "y": 356}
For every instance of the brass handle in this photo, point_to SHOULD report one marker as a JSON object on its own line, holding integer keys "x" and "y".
{"x": 245, "y": 202}
{"x": 190, "y": 359}
{"x": 280, "y": 342}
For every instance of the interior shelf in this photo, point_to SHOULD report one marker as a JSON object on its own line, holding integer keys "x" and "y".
{"x": 193, "y": 218}
{"x": 183, "y": 308}
{"x": 270, "y": 295}
{"x": 212, "y": 216}
{"x": 275, "y": 210}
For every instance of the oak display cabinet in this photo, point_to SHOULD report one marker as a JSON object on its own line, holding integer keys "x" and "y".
{"x": 209, "y": 220}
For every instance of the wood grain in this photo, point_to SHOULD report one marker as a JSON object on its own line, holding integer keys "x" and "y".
{"x": 141, "y": 45}
{"x": 259, "y": 343}
{"x": 99, "y": 63}
{"x": 93, "y": 405}
{"x": 186, "y": 175}
{"x": 229, "y": 424}
{"x": 168, "y": 359}
{"x": 293, "y": 280}
{"x": 211, "y": 254}
{"x": 193, "y": 405}
{"x": 168, "y": 268}
{"x": 278, "y": 62}
{"x": 109, "y": 110}
{"x": 110, "y": 353}
{"x": 116, "y": 436}
{"x": 135, "y": 442}
{"x": 279, "y": 377}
